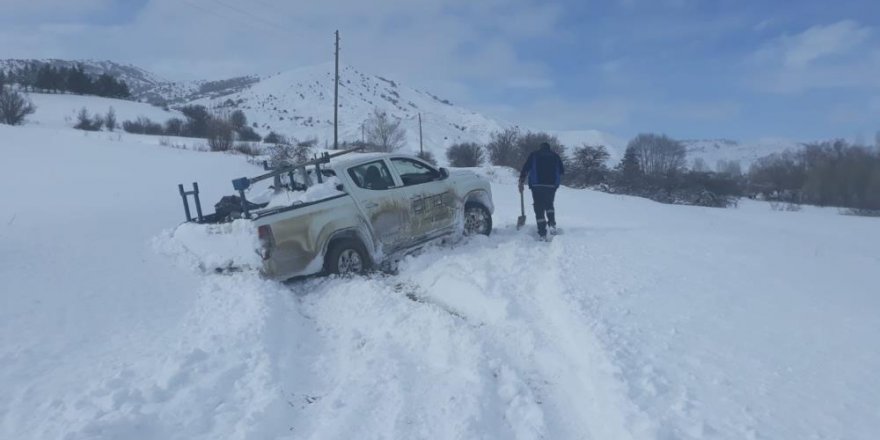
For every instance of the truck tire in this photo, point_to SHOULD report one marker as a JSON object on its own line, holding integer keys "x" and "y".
{"x": 477, "y": 219}
{"x": 347, "y": 257}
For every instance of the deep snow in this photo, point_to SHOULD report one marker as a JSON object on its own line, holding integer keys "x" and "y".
{"x": 642, "y": 321}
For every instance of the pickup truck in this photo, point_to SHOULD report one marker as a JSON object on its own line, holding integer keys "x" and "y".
{"x": 364, "y": 210}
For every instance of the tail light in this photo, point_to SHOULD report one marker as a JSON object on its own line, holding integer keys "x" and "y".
{"x": 267, "y": 241}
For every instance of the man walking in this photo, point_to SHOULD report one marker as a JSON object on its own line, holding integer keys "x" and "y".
{"x": 544, "y": 170}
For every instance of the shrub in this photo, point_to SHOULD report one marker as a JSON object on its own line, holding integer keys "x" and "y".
{"x": 142, "y": 125}
{"x": 247, "y": 134}
{"x": 248, "y": 149}
{"x": 87, "y": 123}
{"x": 174, "y": 127}
{"x": 427, "y": 156}
{"x": 466, "y": 154}
{"x": 110, "y": 119}
{"x": 14, "y": 107}
{"x": 275, "y": 138}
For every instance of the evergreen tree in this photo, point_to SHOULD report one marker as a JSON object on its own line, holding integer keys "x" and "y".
{"x": 197, "y": 118}
{"x": 238, "y": 120}
{"x": 629, "y": 166}
{"x": 78, "y": 82}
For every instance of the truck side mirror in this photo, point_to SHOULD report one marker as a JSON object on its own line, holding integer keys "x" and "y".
{"x": 444, "y": 173}
{"x": 340, "y": 188}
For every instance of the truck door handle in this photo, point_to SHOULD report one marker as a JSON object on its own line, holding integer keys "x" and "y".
{"x": 371, "y": 205}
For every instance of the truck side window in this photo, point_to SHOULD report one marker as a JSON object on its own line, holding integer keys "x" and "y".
{"x": 372, "y": 175}
{"x": 413, "y": 172}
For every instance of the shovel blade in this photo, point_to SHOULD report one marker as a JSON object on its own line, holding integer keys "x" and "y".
{"x": 520, "y": 221}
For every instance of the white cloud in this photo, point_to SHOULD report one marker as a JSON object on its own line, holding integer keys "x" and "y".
{"x": 449, "y": 43}
{"x": 822, "y": 41}
{"x": 842, "y": 54}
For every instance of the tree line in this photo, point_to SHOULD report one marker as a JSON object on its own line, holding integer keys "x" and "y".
{"x": 47, "y": 78}
{"x": 221, "y": 129}
{"x": 831, "y": 173}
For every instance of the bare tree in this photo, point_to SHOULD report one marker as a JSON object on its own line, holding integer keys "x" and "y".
{"x": 467, "y": 154}
{"x": 658, "y": 155}
{"x": 502, "y": 147}
{"x": 14, "y": 107}
{"x": 383, "y": 133}
{"x": 290, "y": 152}
{"x": 221, "y": 136}
{"x": 587, "y": 166}
{"x": 729, "y": 168}
{"x": 699, "y": 166}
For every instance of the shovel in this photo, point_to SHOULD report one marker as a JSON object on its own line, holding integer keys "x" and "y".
{"x": 521, "y": 221}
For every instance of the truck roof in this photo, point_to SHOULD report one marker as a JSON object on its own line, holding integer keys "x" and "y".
{"x": 358, "y": 158}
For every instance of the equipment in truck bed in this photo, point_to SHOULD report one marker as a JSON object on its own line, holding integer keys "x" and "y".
{"x": 233, "y": 207}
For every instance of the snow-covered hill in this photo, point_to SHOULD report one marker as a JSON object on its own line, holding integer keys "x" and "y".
{"x": 642, "y": 321}
{"x": 139, "y": 81}
{"x": 714, "y": 150}
{"x": 300, "y": 103}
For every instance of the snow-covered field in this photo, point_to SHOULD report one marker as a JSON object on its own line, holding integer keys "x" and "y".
{"x": 60, "y": 111}
{"x": 642, "y": 321}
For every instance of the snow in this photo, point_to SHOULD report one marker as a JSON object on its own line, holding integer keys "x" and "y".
{"x": 299, "y": 103}
{"x": 213, "y": 247}
{"x": 643, "y": 321}
{"x": 60, "y": 110}
{"x": 314, "y": 193}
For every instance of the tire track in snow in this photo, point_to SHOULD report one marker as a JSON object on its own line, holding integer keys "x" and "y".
{"x": 527, "y": 317}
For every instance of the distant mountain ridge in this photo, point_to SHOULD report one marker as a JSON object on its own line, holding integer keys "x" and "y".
{"x": 299, "y": 103}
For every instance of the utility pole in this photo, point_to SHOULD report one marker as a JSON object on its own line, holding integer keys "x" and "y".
{"x": 421, "y": 148}
{"x": 336, "y": 99}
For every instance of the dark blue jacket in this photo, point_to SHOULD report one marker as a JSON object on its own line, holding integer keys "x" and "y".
{"x": 544, "y": 169}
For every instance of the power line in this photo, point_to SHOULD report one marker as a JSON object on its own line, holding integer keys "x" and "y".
{"x": 247, "y": 13}
{"x": 214, "y": 12}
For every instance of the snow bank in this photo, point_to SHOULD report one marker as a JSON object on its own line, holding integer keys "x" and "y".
{"x": 642, "y": 321}
{"x": 225, "y": 246}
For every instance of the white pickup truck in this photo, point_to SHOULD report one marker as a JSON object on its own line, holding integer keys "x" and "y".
{"x": 364, "y": 210}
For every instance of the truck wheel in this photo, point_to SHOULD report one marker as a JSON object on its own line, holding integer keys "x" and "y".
{"x": 477, "y": 219}
{"x": 347, "y": 257}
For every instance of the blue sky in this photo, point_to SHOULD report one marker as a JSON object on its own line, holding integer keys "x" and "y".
{"x": 742, "y": 69}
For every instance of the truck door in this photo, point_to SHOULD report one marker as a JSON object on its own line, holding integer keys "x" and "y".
{"x": 432, "y": 202}
{"x": 387, "y": 213}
